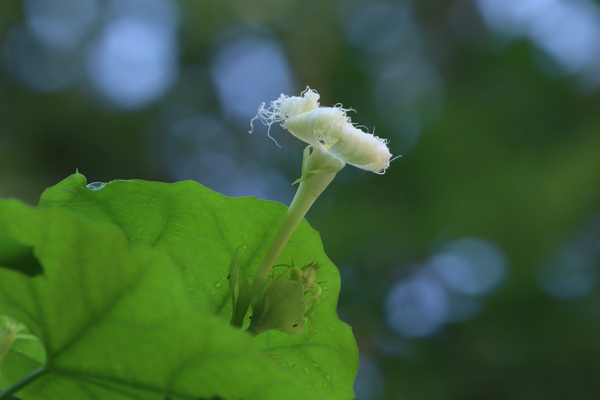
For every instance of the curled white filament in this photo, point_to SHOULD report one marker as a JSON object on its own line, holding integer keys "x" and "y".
{"x": 327, "y": 128}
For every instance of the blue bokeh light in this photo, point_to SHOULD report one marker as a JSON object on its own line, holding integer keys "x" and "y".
{"x": 446, "y": 287}
{"x": 572, "y": 269}
{"x": 247, "y": 71}
{"x": 378, "y": 27}
{"x": 134, "y": 60}
{"x": 417, "y": 306}
{"x": 33, "y": 64}
{"x": 469, "y": 266}
{"x": 369, "y": 382}
{"x": 60, "y": 24}
{"x": 568, "y": 31}
{"x": 202, "y": 148}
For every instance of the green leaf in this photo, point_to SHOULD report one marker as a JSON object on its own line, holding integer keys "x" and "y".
{"x": 116, "y": 322}
{"x": 23, "y": 349}
{"x": 200, "y": 230}
{"x": 15, "y": 256}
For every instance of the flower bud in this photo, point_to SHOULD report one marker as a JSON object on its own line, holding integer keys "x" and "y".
{"x": 327, "y": 128}
{"x": 283, "y": 304}
{"x": 282, "y": 307}
{"x": 306, "y": 274}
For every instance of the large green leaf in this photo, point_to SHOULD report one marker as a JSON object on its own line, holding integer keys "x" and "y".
{"x": 25, "y": 354}
{"x": 200, "y": 230}
{"x": 117, "y": 323}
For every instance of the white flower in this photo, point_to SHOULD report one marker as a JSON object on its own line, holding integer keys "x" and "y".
{"x": 328, "y": 129}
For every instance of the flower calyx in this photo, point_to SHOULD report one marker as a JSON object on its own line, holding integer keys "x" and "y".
{"x": 315, "y": 161}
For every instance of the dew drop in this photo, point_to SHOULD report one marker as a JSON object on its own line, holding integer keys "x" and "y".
{"x": 96, "y": 185}
{"x": 306, "y": 371}
{"x": 324, "y": 287}
{"x": 325, "y": 385}
{"x": 328, "y": 377}
{"x": 218, "y": 284}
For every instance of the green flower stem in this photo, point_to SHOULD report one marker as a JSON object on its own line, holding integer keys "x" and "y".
{"x": 305, "y": 197}
{"x": 310, "y": 188}
{"x": 35, "y": 374}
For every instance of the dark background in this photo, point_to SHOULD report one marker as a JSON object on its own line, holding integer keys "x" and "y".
{"x": 469, "y": 269}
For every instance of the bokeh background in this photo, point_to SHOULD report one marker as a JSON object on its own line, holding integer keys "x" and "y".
{"x": 470, "y": 269}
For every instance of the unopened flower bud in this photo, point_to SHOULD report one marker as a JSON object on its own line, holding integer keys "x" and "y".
{"x": 306, "y": 274}
{"x": 282, "y": 307}
{"x": 329, "y": 129}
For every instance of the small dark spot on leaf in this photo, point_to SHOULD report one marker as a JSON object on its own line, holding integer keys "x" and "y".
{"x": 295, "y": 325}
{"x": 228, "y": 276}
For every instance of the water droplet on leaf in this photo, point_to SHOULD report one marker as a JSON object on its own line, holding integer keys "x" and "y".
{"x": 306, "y": 371}
{"x": 96, "y": 185}
{"x": 218, "y": 284}
{"x": 328, "y": 377}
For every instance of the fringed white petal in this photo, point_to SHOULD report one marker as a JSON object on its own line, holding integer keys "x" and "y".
{"x": 328, "y": 128}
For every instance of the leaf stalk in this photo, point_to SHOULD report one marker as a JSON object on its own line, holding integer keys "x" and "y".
{"x": 20, "y": 384}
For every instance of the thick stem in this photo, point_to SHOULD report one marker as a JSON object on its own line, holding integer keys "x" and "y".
{"x": 35, "y": 374}
{"x": 304, "y": 199}
{"x": 307, "y": 193}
